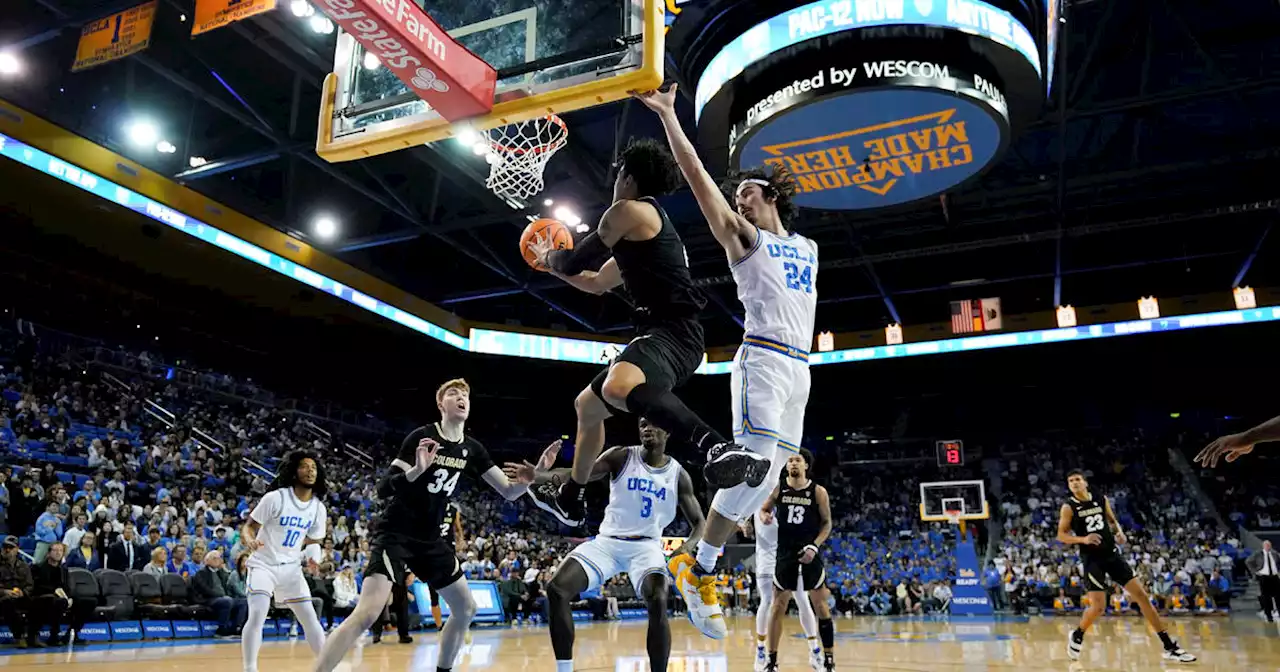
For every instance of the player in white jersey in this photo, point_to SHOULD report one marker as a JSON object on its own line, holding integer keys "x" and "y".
{"x": 776, "y": 272}
{"x": 286, "y": 520}
{"x": 764, "y": 527}
{"x": 643, "y": 492}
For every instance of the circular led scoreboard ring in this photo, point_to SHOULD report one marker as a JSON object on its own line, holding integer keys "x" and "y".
{"x": 865, "y": 116}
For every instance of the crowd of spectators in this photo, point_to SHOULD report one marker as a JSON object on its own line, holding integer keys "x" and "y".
{"x": 137, "y": 470}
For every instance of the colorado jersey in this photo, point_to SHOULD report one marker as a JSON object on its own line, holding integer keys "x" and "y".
{"x": 778, "y": 287}
{"x": 286, "y": 523}
{"x": 642, "y": 499}
{"x": 1090, "y": 517}
{"x": 766, "y": 544}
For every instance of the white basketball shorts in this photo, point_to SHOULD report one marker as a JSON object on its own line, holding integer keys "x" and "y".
{"x": 606, "y": 557}
{"x": 285, "y": 582}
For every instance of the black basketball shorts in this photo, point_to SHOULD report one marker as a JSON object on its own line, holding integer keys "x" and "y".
{"x": 667, "y": 352}
{"x": 1097, "y": 569}
{"x": 791, "y": 574}
{"x": 432, "y": 561}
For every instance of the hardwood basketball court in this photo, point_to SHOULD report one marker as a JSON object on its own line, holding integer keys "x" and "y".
{"x": 1239, "y": 644}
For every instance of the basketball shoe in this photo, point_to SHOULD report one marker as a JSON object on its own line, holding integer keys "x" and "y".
{"x": 700, "y": 596}
{"x": 1075, "y": 642}
{"x": 729, "y": 464}
{"x": 1177, "y": 654}
{"x": 564, "y": 500}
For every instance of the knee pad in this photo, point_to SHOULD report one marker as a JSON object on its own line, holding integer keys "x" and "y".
{"x": 597, "y": 388}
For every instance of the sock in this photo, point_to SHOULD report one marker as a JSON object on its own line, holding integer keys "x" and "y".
{"x": 1078, "y": 635}
{"x": 668, "y": 412}
{"x": 827, "y": 631}
{"x": 707, "y": 556}
{"x": 564, "y": 666}
{"x": 813, "y": 643}
{"x": 1164, "y": 639}
{"x": 251, "y": 634}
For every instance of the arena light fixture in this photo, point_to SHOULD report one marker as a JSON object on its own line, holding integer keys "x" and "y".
{"x": 325, "y": 227}
{"x": 165, "y": 147}
{"x": 143, "y": 133}
{"x": 301, "y": 8}
{"x": 467, "y": 137}
{"x": 320, "y": 24}
{"x": 10, "y": 64}
{"x": 549, "y": 202}
{"x": 371, "y": 61}
{"x": 197, "y": 161}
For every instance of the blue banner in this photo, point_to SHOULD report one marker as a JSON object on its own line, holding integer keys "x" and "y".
{"x": 968, "y": 597}
{"x": 157, "y": 629}
{"x": 186, "y": 629}
{"x": 95, "y": 632}
{"x": 125, "y": 630}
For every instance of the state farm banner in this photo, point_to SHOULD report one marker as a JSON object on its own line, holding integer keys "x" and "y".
{"x": 453, "y": 81}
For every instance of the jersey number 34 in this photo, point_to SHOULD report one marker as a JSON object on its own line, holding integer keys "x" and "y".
{"x": 443, "y": 482}
{"x": 797, "y": 278}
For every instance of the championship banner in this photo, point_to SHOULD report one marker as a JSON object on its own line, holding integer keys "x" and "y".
{"x": 114, "y": 37}
{"x": 968, "y": 597}
{"x": 213, "y": 14}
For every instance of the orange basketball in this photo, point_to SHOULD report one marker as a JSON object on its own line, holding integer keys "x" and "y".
{"x": 548, "y": 229}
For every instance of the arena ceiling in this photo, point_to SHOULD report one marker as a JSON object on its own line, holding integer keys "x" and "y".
{"x": 1148, "y": 173}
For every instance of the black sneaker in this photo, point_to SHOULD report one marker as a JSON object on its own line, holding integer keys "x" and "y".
{"x": 406, "y": 639}
{"x": 553, "y": 498}
{"x": 1075, "y": 642}
{"x": 729, "y": 464}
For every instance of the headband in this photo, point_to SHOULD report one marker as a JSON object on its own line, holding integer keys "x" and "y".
{"x": 752, "y": 180}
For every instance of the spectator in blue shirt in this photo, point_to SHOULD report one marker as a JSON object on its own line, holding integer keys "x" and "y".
{"x": 179, "y": 564}
{"x": 48, "y": 531}
{"x": 90, "y": 492}
{"x": 995, "y": 586}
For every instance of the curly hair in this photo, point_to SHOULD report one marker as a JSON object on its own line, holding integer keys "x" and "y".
{"x": 287, "y": 474}
{"x": 808, "y": 459}
{"x": 781, "y": 188}
{"x": 651, "y": 165}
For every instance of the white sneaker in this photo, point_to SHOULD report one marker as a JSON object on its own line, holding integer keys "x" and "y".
{"x": 1073, "y": 647}
{"x": 1179, "y": 655}
{"x": 816, "y": 661}
{"x": 762, "y": 659}
{"x": 700, "y": 595}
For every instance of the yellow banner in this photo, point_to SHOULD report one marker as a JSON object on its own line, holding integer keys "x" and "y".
{"x": 211, "y": 14}
{"x": 115, "y": 36}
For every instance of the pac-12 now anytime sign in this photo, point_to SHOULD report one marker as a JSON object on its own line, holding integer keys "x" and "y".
{"x": 453, "y": 81}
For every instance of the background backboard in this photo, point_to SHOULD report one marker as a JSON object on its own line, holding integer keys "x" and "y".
{"x": 967, "y": 497}
{"x": 552, "y": 56}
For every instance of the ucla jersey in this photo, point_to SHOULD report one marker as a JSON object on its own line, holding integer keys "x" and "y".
{"x": 286, "y": 524}
{"x": 778, "y": 286}
{"x": 642, "y": 499}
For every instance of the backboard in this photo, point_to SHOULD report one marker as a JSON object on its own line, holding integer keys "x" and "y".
{"x": 967, "y": 500}
{"x": 551, "y": 57}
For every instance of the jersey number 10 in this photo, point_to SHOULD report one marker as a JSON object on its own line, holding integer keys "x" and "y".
{"x": 291, "y": 538}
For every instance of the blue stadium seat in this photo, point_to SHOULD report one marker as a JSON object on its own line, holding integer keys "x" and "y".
{"x": 27, "y": 544}
{"x": 81, "y": 478}
{"x": 64, "y": 476}
{"x": 35, "y": 445}
{"x": 77, "y": 460}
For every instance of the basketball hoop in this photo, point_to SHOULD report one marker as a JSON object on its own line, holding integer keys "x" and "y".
{"x": 953, "y": 515}
{"x": 518, "y": 153}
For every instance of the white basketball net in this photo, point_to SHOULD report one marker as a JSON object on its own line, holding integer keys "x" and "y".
{"x": 518, "y": 154}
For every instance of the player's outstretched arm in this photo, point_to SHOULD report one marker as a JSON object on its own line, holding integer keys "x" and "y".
{"x": 595, "y": 282}
{"x": 1114, "y": 522}
{"x": 1233, "y": 446}
{"x": 735, "y": 234}
{"x": 610, "y": 462}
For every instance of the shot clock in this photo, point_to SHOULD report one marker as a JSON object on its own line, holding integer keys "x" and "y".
{"x": 950, "y": 453}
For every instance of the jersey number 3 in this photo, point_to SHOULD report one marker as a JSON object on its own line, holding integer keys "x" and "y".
{"x": 797, "y": 279}
{"x": 443, "y": 482}
{"x": 1093, "y": 523}
{"x": 647, "y": 509}
{"x": 795, "y": 515}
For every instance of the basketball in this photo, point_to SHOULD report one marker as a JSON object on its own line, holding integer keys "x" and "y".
{"x": 550, "y": 229}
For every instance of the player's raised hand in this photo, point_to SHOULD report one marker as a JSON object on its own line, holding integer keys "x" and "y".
{"x": 1231, "y": 446}
{"x": 662, "y": 102}
{"x": 549, "y": 455}
{"x": 520, "y": 472}
{"x": 541, "y": 246}
{"x": 1093, "y": 539}
{"x": 427, "y": 449}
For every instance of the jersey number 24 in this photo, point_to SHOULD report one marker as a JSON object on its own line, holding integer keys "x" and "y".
{"x": 797, "y": 278}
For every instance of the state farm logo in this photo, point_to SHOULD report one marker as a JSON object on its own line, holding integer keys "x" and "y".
{"x": 875, "y": 158}
{"x": 426, "y": 79}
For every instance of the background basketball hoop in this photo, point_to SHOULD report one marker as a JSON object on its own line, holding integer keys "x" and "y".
{"x": 518, "y": 154}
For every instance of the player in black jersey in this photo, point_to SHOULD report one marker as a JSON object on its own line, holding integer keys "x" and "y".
{"x": 451, "y": 532}
{"x": 649, "y": 261}
{"x": 803, "y": 512}
{"x": 413, "y": 497}
{"x": 1088, "y": 522}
